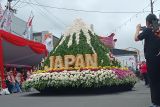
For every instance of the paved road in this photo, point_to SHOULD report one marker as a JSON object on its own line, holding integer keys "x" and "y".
{"x": 139, "y": 97}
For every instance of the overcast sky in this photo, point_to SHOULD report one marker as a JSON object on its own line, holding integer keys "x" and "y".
{"x": 56, "y": 20}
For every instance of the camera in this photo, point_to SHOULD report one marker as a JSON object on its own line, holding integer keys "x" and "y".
{"x": 143, "y": 27}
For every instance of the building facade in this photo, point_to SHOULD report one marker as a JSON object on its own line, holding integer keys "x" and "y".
{"x": 39, "y": 37}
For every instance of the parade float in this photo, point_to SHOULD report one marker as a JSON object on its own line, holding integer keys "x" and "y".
{"x": 81, "y": 62}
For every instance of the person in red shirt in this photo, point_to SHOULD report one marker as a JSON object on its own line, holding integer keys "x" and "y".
{"x": 143, "y": 71}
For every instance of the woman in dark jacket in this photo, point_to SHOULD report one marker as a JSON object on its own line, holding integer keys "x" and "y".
{"x": 152, "y": 56}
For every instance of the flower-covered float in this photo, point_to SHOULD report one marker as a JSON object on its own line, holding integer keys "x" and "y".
{"x": 81, "y": 62}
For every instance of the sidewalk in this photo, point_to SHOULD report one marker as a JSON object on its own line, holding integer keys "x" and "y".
{"x": 139, "y": 97}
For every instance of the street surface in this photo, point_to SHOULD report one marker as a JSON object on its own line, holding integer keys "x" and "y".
{"x": 138, "y": 97}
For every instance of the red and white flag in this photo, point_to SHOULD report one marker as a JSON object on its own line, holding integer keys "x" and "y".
{"x": 28, "y": 30}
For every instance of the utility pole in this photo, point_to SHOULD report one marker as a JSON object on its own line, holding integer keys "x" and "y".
{"x": 152, "y": 6}
{"x": 9, "y": 6}
{"x": 7, "y": 15}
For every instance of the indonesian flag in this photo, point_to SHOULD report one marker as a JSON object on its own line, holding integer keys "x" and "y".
{"x": 28, "y": 29}
{"x": 29, "y": 23}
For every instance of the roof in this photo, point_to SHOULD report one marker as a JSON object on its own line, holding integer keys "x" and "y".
{"x": 121, "y": 52}
{"x": 20, "y": 51}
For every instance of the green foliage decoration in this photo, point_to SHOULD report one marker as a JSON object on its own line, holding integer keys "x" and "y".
{"x": 83, "y": 48}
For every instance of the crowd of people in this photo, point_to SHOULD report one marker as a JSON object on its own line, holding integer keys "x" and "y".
{"x": 15, "y": 77}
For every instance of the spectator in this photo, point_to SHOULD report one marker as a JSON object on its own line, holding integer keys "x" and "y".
{"x": 143, "y": 71}
{"x": 152, "y": 56}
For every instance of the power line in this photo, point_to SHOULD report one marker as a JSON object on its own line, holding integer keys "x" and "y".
{"x": 37, "y": 10}
{"x": 16, "y": 3}
{"x": 52, "y": 14}
{"x": 21, "y": 6}
{"x": 135, "y": 15}
{"x": 42, "y": 13}
{"x": 157, "y": 4}
{"x": 88, "y": 11}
